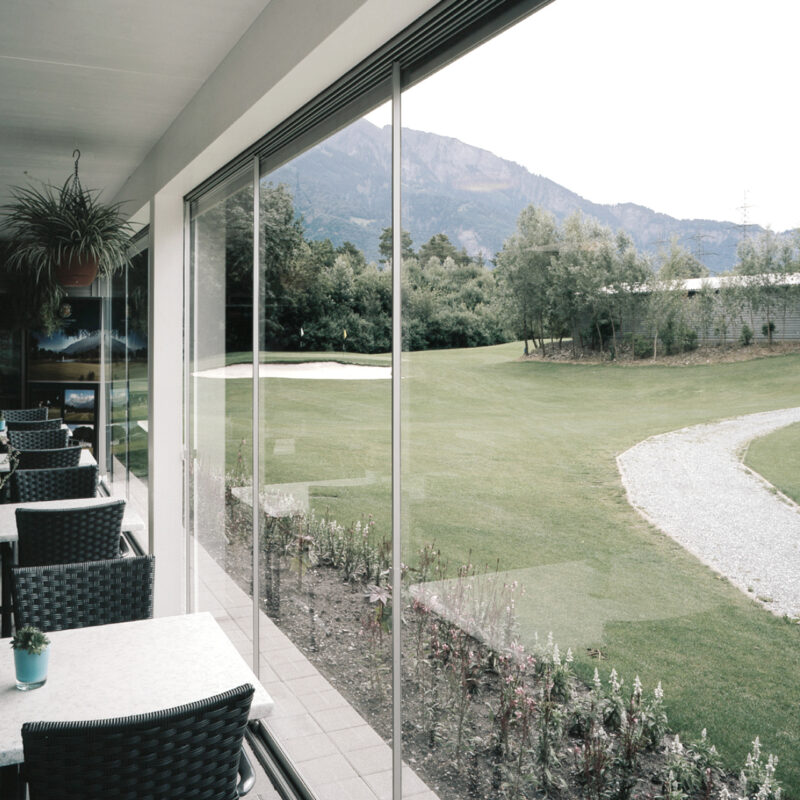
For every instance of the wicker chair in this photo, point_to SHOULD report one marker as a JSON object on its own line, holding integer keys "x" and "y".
{"x": 39, "y": 439}
{"x": 49, "y": 459}
{"x": 67, "y": 535}
{"x": 191, "y": 752}
{"x": 24, "y": 414}
{"x": 61, "y": 596}
{"x": 38, "y": 425}
{"x": 65, "y": 483}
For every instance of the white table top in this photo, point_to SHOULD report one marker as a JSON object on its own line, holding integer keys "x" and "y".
{"x": 124, "y": 669}
{"x": 86, "y": 460}
{"x": 131, "y": 521}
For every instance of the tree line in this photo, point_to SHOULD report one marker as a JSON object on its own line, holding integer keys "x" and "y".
{"x": 576, "y": 281}
{"x": 581, "y": 281}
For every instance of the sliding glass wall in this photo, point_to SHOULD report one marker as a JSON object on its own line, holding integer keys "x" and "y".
{"x": 576, "y": 585}
{"x": 220, "y": 408}
{"x": 325, "y": 439}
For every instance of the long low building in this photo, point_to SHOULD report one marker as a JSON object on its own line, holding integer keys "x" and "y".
{"x": 729, "y": 306}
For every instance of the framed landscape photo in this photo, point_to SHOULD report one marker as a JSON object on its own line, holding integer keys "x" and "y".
{"x": 71, "y": 353}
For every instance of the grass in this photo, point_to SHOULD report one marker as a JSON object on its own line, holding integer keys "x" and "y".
{"x": 513, "y": 462}
{"x": 777, "y": 458}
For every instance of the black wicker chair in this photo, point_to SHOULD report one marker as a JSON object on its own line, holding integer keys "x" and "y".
{"x": 37, "y": 425}
{"x": 38, "y": 439}
{"x": 49, "y": 459}
{"x": 191, "y": 752}
{"x": 24, "y": 414}
{"x": 61, "y": 596}
{"x": 65, "y": 483}
{"x": 68, "y": 535}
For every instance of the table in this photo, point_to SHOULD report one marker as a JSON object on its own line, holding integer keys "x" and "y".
{"x": 86, "y": 460}
{"x": 123, "y": 669}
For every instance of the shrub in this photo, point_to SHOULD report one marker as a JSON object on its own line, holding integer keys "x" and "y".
{"x": 768, "y": 329}
{"x": 746, "y": 336}
{"x": 642, "y": 346}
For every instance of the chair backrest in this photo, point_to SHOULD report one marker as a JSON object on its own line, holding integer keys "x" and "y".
{"x": 24, "y": 414}
{"x": 63, "y": 483}
{"x": 68, "y": 535}
{"x": 37, "y": 425}
{"x": 38, "y": 439}
{"x": 61, "y": 596}
{"x": 189, "y": 751}
{"x": 49, "y": 459}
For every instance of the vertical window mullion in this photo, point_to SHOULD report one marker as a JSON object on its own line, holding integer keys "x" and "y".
{"x": 256, "y": 412}
{"x": 397, "y": 738}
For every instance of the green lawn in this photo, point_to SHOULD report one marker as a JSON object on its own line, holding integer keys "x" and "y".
{"x": 514, "y": 462}
{"x": 777, "y": 458}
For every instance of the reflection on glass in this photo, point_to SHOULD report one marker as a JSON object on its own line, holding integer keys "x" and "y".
{"x": 325, "y": 493}
{"x": 126, "y": 375}
{"x": 220, "y": 407}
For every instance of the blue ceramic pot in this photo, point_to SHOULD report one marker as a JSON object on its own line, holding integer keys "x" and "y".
{"x": 31, "y": 669}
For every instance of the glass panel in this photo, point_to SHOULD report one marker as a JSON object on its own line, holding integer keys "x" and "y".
{"x": 553, "y": 333}
{"x": 117, "y": 383}
{"x": 325, "y": 495}
{"x": 220, "y": 408}
{"x": 138, "y": 393}
{"x": 126, "y": 352}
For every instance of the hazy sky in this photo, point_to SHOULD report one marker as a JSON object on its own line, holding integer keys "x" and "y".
{"x": 686, "y": 107}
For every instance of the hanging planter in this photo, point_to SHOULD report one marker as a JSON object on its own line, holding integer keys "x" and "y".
{"x": 64, "y": 237}
{"x": 77, "y": 270}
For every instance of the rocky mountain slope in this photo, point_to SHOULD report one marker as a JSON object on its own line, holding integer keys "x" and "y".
{"x": 342, "y": 188}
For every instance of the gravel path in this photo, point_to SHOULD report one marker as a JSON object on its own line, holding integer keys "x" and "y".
{"x": 691, "y": 484}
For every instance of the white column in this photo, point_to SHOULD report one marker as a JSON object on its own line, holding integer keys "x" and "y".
{"x": 167, "y": 531}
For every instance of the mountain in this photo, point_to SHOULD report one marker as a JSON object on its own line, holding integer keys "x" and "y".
{"x": 342, "y": 188}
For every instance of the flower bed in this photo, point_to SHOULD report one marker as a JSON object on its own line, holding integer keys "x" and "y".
{"x": 482, "y": 718}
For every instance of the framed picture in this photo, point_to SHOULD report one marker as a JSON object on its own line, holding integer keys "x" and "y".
{"x": 72, "y": 353}
{"x": 79, "y": 405}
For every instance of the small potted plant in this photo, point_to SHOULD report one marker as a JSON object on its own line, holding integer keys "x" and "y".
{"x": 31, "y": 653}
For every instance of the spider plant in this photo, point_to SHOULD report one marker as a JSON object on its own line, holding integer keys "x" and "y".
{"x": 57, "y": 233}
{"x": 51, "y": 226}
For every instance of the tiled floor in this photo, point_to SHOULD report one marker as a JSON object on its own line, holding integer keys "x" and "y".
{"x": 339, "y": 755}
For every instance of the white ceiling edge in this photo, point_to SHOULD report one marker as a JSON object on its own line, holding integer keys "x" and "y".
{"x": 245, "y": 98}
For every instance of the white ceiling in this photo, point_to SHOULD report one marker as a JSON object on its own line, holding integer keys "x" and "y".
{"x": 105, "y": 76}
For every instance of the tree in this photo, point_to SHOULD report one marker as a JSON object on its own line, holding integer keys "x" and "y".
{"x": 764, "y": 262}
{"x": 705, "y": 304}
{"x": 525, "y": 268}
{"x": 678, "y": 263}
{"x": 288, "y": 265}
{"x": 438, "y": 246}
{"x": 631, "y": 273}
{"x": 385, "y": 245}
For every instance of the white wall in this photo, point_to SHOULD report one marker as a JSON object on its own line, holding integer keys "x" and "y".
{"x": 294, "y": 50}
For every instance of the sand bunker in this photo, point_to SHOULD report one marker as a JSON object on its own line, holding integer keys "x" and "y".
{"x": 308, "y": 370}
